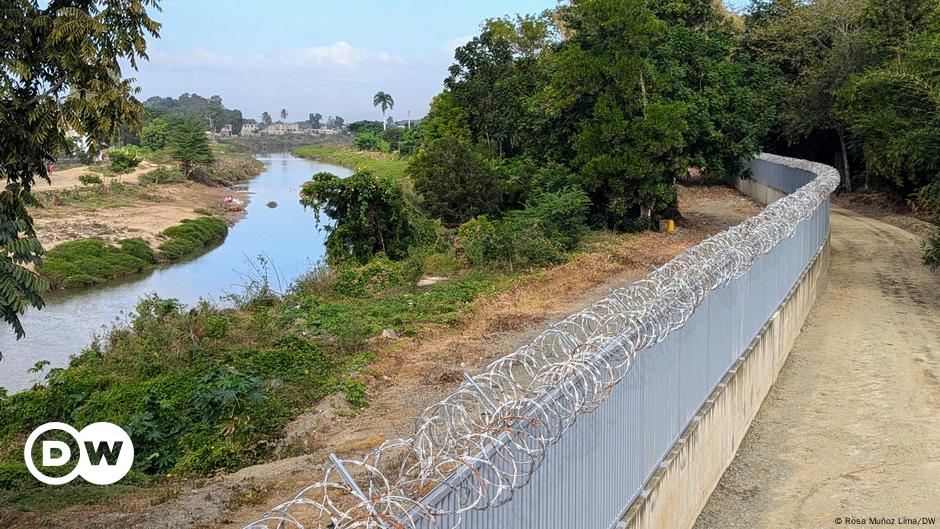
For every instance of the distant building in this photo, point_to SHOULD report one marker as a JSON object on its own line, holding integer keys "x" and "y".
{"x": 280, "y": 129}
{"x": 226, "y": 131}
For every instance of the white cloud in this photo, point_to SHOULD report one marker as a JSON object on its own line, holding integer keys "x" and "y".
{"x": 339, "y": 54}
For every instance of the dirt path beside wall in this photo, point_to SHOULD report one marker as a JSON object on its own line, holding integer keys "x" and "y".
{"x": 851, "y": 429}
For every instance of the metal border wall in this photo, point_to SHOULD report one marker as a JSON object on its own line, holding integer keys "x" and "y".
{"x": 567, "y": 439}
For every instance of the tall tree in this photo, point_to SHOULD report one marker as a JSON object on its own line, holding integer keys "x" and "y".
{"x": 60, "y": 72}
{"x": 385, "y": 101}
{"x": 370, "y": 215}
{"x": 265, "y": 119}
{"x": 284, "y": 114}
{"x": 628, "y": 149}
{"x": 189, "y": 145}
{"x": 817, "y": 46}
{"x": 314, "y": 120}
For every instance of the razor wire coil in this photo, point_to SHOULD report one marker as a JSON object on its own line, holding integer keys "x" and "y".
{"x": 487, "y": 438}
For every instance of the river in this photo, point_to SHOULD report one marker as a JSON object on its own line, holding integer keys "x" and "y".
{"x": 286, "y": 235}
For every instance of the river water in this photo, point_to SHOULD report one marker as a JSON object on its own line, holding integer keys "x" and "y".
{"x": 287, "y": 237}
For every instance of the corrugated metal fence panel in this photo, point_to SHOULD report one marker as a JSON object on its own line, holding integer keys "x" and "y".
{"x": 591, "y": 476}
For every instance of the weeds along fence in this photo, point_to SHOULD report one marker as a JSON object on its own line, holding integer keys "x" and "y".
{"x": 564, "y": 432}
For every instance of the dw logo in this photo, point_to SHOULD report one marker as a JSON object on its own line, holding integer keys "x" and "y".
{"x": 105, "y": 453}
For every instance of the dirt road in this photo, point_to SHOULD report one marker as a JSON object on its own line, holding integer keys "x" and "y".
{"x": 851, "y": 430}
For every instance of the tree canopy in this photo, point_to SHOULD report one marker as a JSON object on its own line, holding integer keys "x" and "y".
{"x": 211, "y": 113}
{"x": 371, "y": 215}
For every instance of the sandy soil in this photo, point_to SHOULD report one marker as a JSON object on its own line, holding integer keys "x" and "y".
{"x": 851, "y": 430}
{"x": 879, "y": 206}
{"x": 68, "y": 178}
{"x": 152, "y": 211}
{"x": 412, "y": 373}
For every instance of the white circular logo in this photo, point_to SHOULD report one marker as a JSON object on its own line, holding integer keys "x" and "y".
{"x": 106, "y": 453}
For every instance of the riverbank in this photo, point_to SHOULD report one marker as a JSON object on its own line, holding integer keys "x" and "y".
{"x": 347, "y": 155}
{"x": 140, "y": 204}
{"x": 338, "y": 363}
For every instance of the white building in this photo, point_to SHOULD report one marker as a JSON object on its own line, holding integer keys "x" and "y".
{"x": 280, "y": 129}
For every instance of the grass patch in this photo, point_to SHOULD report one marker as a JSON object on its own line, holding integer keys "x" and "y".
{"x": 88, "y": 262}
{"x": 107, "y": 195}
{"x": 203, "y": 389}
{"x": 348, "y": 156}
{"x": 191, "y": 236}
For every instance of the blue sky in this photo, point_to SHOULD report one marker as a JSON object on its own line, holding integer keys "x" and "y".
{"x": 324, "y": 56}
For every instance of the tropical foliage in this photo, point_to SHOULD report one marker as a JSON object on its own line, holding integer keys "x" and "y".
{"x": 371, "y": 215}
{"x": 51, "y": 52}
{"x": 385, "y": 102}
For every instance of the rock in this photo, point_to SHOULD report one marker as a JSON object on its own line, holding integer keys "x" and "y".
{"x": 389, "y": 334}
{"x": 428, "y": 281}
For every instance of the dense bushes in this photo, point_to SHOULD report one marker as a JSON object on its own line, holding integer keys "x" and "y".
{"x": 162, "y": 175}
{"x": 370, "y": 215}
{"x": 191, "y": 236}
{"x": 550, "y": 225}
{"x": 88, "y": 262}
{"x": 456, "y": 181}
{"x": 928, "y": 199}
{"x": 368, "y": 140}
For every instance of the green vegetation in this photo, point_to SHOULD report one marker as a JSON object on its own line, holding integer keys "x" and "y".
{"x": 202, "y": 389}
{"x": 385, "y": 102}
{"x": 371, "y": 215}
{"x": 347, "y": 156}
{"x": 190, "y": 146}
{"x": 97, "y": 195}
{"x": 89, "y": 262}
{"x": 89, "y": 179}
{"x": 191, "y": 236}
{"x": 52, "y": 52}
{"x": 123, "y": 159}
{"x": 210, "y": 113}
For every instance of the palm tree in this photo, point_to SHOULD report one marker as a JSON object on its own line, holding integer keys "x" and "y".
{"x": 265, "y": 119}
{"x": 386, "y": 102}
{"x": 284, "y": 114}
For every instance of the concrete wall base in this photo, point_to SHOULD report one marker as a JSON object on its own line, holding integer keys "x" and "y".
{"x": 759, "y": 191}
{"x": 676, "y": 494}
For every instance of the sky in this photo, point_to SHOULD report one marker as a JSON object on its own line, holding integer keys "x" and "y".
{"x": 326, "y": 56}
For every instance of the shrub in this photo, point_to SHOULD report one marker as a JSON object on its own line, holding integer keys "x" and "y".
{"x": 932, "y": 245}
{"x": 191, "y": 235}
{"x": 89, "y": 179}
{"x": 456, "y": 182}
{"x": 928, "y": 199}
{"x": 371, "y": 141}
{"x": 370, "y": 214}
{"x": 378, "y": 275}
{"x": 477, "y": 240}
{"x": 540, "y": 234}
{"x": 124, "y": 158}
{"x": 139, "y": 249}
{"x": 162, "y": 175}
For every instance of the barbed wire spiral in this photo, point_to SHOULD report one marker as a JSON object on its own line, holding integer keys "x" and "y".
{"x": 486, "y": 439}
